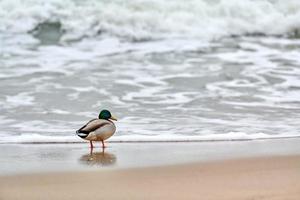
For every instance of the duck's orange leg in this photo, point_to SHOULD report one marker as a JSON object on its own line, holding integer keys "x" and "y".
{"x": 91, "y": 145}
{"x": 103, "y": 145}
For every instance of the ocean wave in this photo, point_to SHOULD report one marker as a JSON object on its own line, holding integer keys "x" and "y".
{"x": 142, "y": 20}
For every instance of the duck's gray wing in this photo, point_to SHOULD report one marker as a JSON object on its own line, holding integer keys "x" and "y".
{"x": 92, "y": 125}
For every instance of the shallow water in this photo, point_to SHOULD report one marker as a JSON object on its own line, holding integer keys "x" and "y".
{"x": 165, "y": 82}
{"x": 29, "y": 159}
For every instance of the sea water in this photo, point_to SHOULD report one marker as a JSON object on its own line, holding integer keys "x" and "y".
{"x": 169, "y": 70}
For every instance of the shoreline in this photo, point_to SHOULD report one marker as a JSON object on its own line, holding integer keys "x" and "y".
{"x": 269, "y": 177}
{"x": 145, "y": 139}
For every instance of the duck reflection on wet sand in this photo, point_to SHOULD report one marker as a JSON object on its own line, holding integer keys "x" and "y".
{"x": 98, "y": 158}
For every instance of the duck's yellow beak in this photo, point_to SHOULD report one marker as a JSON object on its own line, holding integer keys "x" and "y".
{"x": 113, "y": 118}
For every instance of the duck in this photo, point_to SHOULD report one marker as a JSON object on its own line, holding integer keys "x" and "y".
{"x": 98, "y": 129}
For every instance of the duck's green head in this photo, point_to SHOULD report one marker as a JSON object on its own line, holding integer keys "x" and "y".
{"x": 105, "y": 114}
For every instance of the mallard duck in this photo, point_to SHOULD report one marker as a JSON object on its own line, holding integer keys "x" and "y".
{"x": 98, "y": 129}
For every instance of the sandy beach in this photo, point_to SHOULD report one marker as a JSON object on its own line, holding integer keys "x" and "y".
{"x": 272, "y": 178}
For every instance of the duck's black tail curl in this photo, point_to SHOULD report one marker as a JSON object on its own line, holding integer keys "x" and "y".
{"x": 82, "y": 134}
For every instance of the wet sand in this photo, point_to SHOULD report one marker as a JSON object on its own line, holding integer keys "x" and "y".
{"x": 271, "y": 177}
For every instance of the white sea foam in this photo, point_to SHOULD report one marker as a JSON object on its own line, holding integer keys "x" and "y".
{"x": 21, "y": 99}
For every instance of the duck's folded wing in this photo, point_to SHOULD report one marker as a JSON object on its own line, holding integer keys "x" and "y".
{"x": 92, "y": 126}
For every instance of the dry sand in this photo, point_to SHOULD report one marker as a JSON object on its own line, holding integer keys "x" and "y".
{"x": 272, "y": 178}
